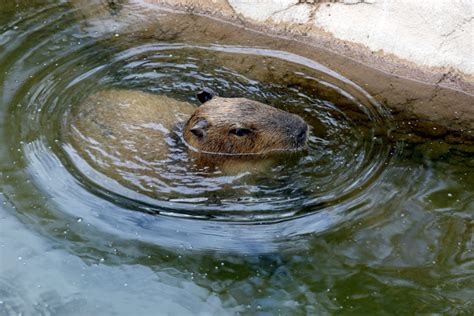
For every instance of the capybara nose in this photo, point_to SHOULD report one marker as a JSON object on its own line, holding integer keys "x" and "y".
{"x": 302, "y": 133}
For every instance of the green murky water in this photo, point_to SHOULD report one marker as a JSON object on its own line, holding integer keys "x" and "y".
{"x": 357, "y": 225}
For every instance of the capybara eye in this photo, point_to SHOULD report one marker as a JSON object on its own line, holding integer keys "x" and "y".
{"x": 240, "y": 131}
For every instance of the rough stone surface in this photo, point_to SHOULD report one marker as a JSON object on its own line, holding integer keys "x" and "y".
{"x": 429, "y": 33}
{"x": 259, "y": 10}
{"x": 430, "y": 41}
{"x": 299, "y": 14}
{"x": 219, "y": 8}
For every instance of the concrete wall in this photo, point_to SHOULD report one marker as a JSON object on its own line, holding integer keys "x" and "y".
{"x": 415, "y": 33}
{"x": 429, "y": 33}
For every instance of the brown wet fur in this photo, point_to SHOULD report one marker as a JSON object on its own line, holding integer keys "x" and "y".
{"x": 121, "y": 128}
{"x": 268, "y": 129}
{"x": 127, "y": 124}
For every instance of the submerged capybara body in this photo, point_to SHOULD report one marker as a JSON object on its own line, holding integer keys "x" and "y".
{"x": 127, "y": 125}
{"x": 119, "y": 128}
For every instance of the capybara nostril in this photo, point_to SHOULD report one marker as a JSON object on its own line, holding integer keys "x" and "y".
{"x": 302, "y": 133}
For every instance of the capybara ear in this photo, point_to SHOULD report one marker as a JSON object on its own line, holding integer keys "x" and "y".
{"x": 205, "y": 95}
{"x": 200, "y": 128}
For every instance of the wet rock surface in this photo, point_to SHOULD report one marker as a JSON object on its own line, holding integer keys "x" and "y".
{"x": 438, "y": 52}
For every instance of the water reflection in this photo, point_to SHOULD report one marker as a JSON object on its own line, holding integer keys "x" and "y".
{"x": 389, "y": 230}
{"x": 68, "y": 285}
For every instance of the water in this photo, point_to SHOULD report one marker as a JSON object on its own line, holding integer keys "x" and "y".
{"x": 360, "y": 223}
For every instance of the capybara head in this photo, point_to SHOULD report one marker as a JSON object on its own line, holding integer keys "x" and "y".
{"x": 239, "y": 126}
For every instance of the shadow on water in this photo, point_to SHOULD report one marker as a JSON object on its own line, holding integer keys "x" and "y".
{"x": 362, "y": 222}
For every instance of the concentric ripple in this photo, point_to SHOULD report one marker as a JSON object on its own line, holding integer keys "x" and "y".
{"x": 166, "y": 201}
{"x": 354, "y": 225}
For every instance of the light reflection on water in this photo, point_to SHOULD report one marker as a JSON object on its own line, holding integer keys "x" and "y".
{"x": 358, "y": 223}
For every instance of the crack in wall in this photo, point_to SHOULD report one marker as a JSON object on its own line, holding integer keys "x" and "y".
{"x": 458, "y": 26}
